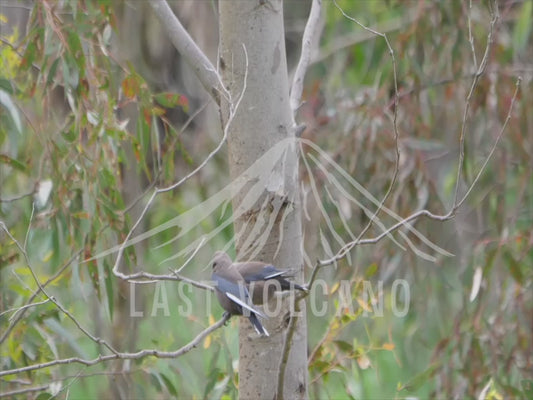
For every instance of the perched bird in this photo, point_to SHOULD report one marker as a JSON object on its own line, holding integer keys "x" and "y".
{"x": 232, "y": 293}
{"x": 263, "y": 280}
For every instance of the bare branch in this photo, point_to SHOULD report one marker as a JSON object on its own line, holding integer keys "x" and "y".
{"x": 195, "y": 57}
{"x": 17, "y": 197}
{"x": 16, "y": 310}
{"x": 24, "y": 391}
{"x": 309, "y": 43}
{"x": 479, "y": 72}
{"x": 291, "y": 329}
{"x": 353, "y": 38}
{"x": 123, "y": 356}
{"x": 470, "y": 36}
{"x": 495, "y": 145}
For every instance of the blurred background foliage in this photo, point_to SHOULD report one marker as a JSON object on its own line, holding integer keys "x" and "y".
{"x": 97, "y": 109}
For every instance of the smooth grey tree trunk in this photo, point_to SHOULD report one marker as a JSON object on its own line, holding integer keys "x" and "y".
{"x": 263, "y": 120}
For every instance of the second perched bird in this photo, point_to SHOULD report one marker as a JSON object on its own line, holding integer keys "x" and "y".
{"x": 260, "y": 276}
{"x": 231, "y": 291}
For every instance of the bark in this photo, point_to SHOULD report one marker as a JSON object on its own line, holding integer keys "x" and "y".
{"x": 264, "y": 119}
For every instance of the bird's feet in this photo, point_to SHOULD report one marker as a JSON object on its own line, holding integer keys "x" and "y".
{"x": 226, "y": 316}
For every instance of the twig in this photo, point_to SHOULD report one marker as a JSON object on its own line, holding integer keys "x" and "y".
{"x": 16, "y": 310}
{"x": 354, "y": 38}
{"x": 188, "y": 260}
{"x": 23, "y": 391}
{"x": 470, "y": 36}
{"x": 17, "y": 197}
{"x": 495, "y": 144}
{"x": 285, "y": 351}
{"x": 308, "y": 41}
{"x": 195, "y": 57}
{"x": 124, "y": 356}
{"x": 479, "y": 72}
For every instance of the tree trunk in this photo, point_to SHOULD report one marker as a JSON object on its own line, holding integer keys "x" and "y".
{"x": 263, "y": 120}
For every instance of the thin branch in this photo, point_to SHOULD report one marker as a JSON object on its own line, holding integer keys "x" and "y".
{"x": 141, "y": 276}
{"x": 496, "y": 142}
{"x": 16, "y": 310}
{"x": 188, "y": 260}
{"x": 124, "y": 356}
{"x": 29, "y": 228}
{"x": 353, "y": 38}
{"x": 285, "y": 351}
{"x": 479, "y": 72}
{"x": 309, "y": 43}
{"x": 24, "y": 391}
{"x": 470, "y": 36}
{"x": 17, "y": 197}
{"x": 195, "y": 57}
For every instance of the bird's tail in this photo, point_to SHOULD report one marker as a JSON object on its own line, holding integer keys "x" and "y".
{"x": 260, "y": 329}
{"x": 302, "y": 288}
{"x": 288, "y": 285}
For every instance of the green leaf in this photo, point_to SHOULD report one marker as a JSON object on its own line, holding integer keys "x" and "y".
{"x": 170, "y": 386}
{"x": 109, "y": 289}
{"x": 156, "y": 381}
{"x": 52, "y": 72}
{"x": 522, "y": 28}
{"x": 489, "y": 259}
{"x": 7, "y": 102}
{"x": 7, "y": 85}
{"x": 4, "y": 159}
{"x": 514, "y": 268}
{"x": 371, "y": 270}
{"x": 70, "y": 135}
{"x": 527, "y": 388}
{"x": 92, "y": 269}
{"x": 76, "y": 50}
{"x": 417, "y": 381}
{"x": 29, "y": 55}
{"x": 73, "y": 77}
{"x": 343, "y": 346}
{"x": 172, "y": 100}
{"x": 131, "y": 85}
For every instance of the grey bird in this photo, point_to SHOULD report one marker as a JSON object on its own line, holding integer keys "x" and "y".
{"x": 232, "y": 293}
{"x": 263, "y": 280}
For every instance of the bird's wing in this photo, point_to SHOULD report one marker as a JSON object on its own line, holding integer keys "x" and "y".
{"x": 259, "y": 274}
{"x": 236, "y": 293}
{"x": 270, "y": 272}
{"x": 227, "y": 286}
{"x": 237, "y": 300}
